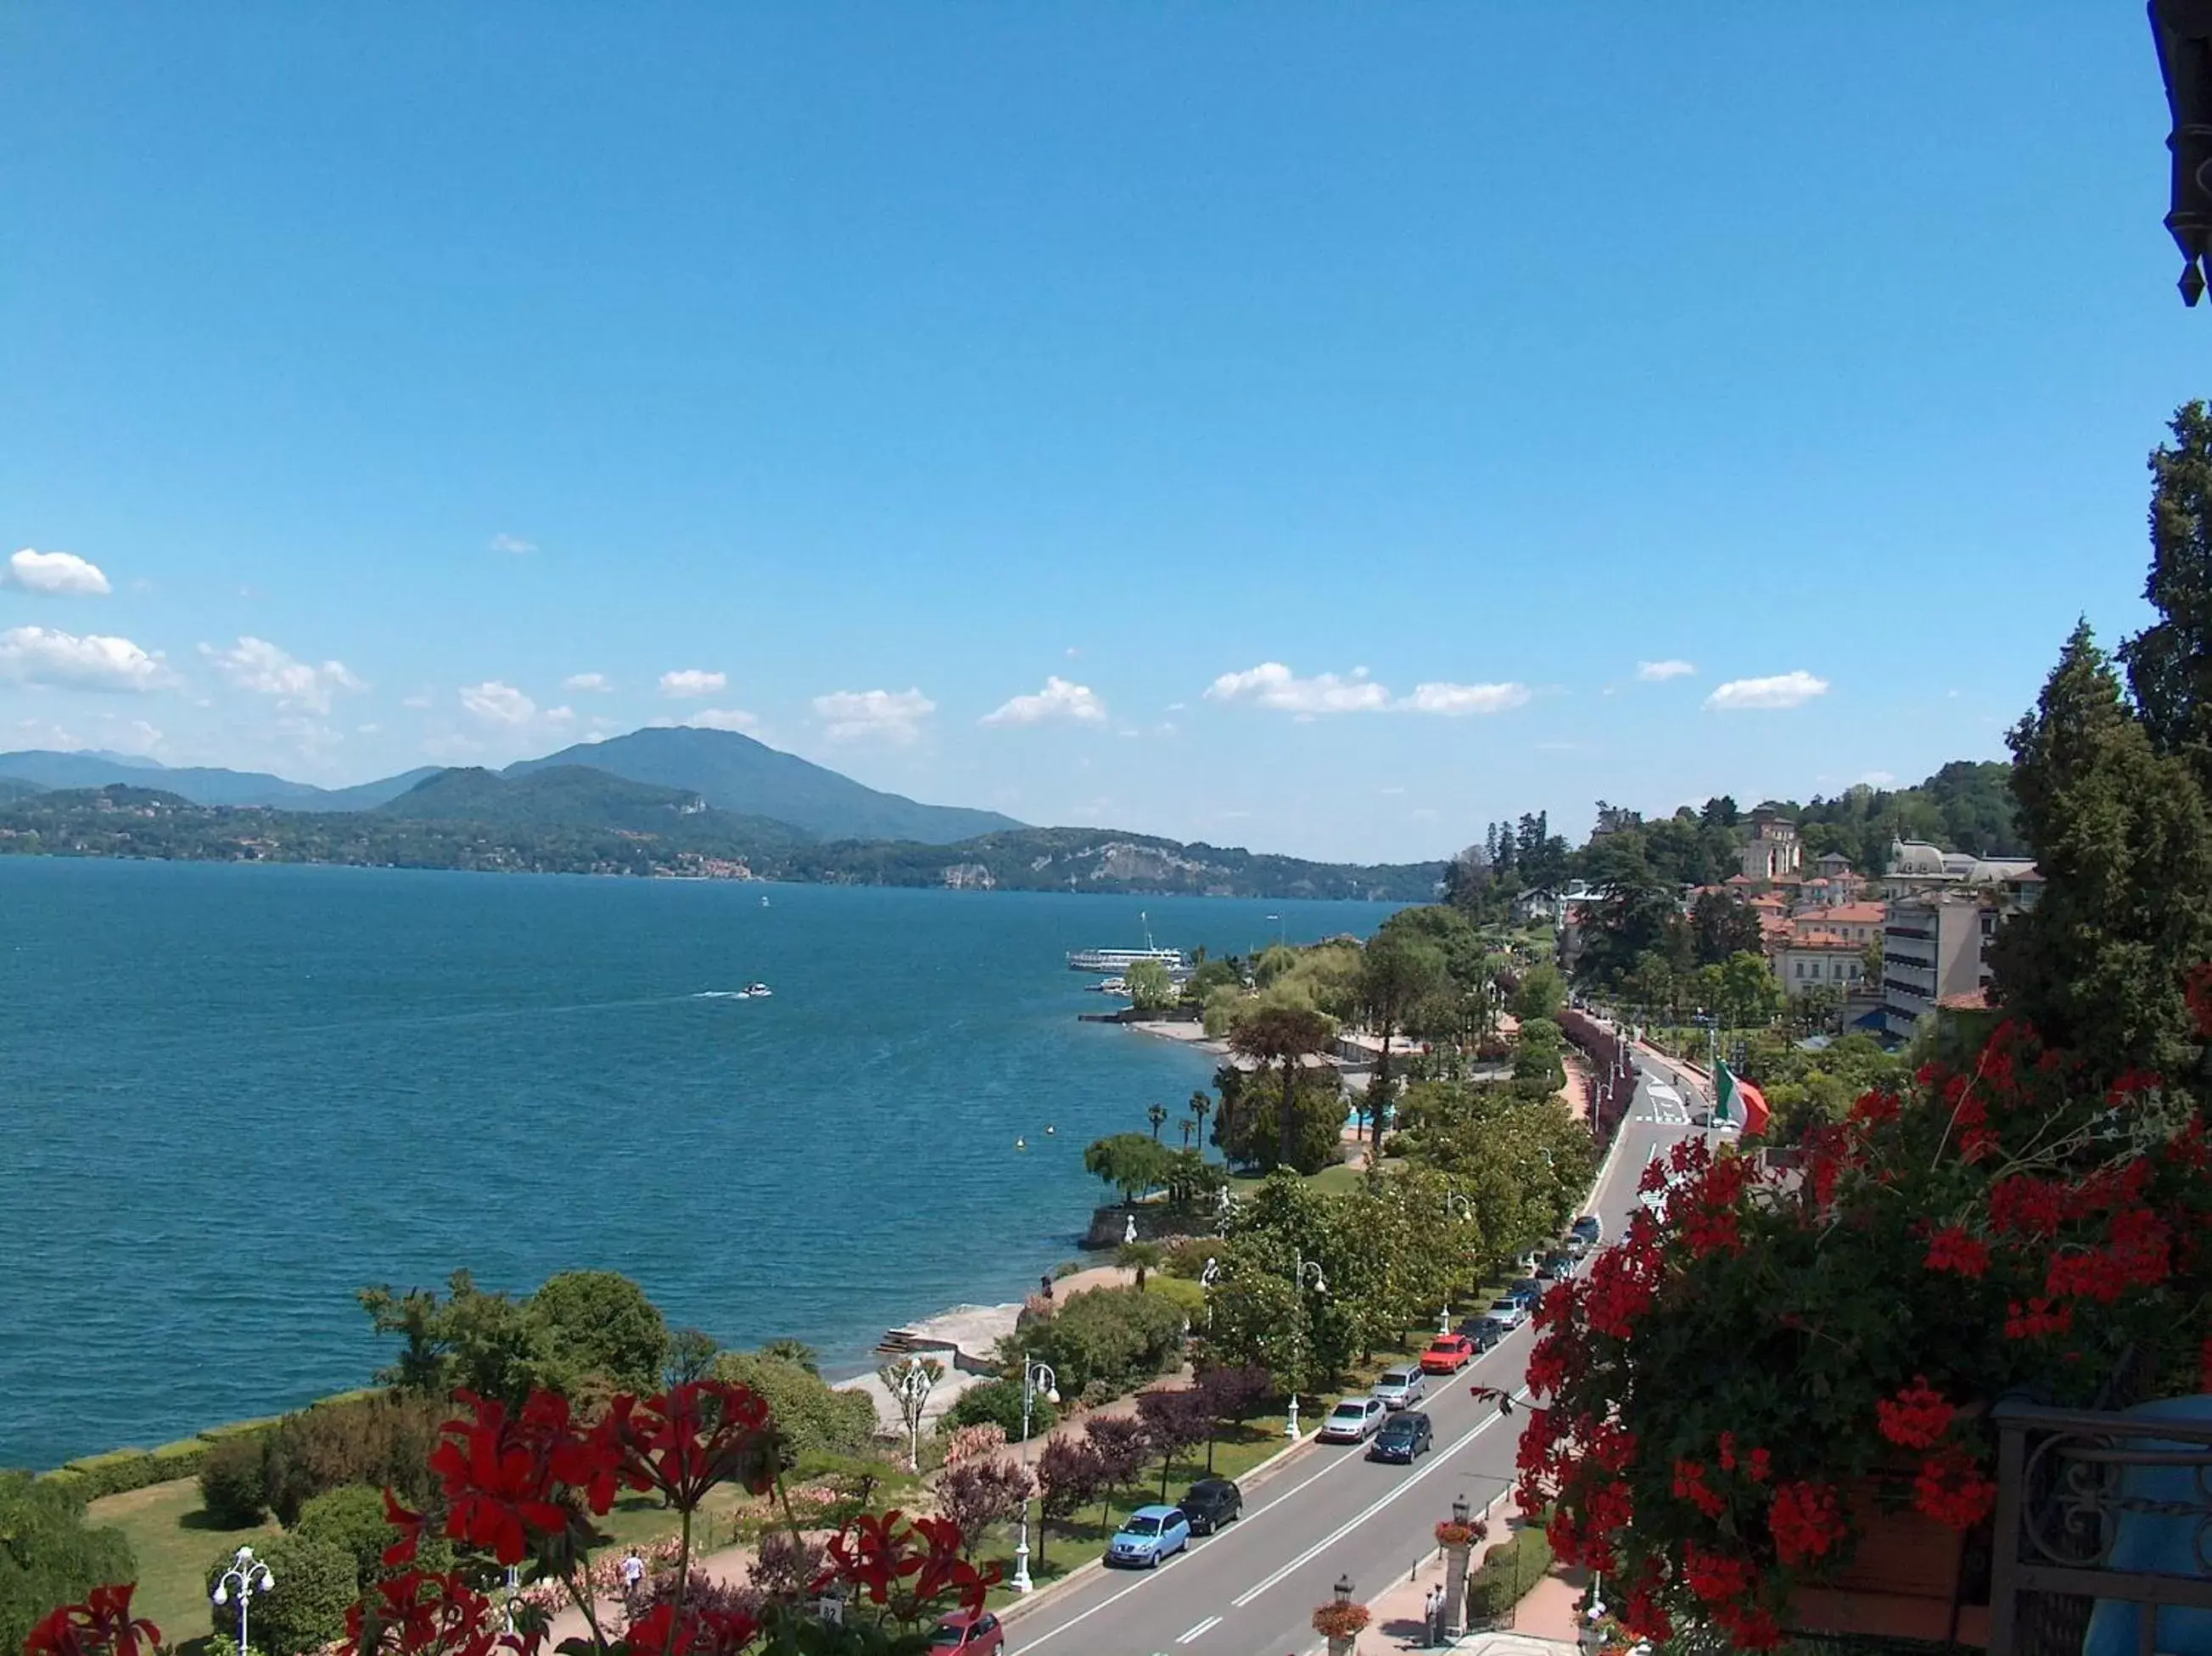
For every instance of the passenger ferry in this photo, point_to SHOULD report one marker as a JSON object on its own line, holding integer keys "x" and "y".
{"x": 1115, "y": 961}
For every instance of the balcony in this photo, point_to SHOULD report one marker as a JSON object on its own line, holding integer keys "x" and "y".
{"x": 2102, "y": 1515}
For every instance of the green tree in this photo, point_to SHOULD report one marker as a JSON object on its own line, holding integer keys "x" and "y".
{"x": 1248, "y": 1130}
{"x": 48, "y": 1555}
{"x": 1750, "y": 996}
{"x": 1723, "y": 924}
{"x": 812, "y": 1418}
{"x": 2121, "y": 835}
{"x": 488, "y": 1343}
{"x": 352, "y": 1520}
{"x": 1542, "y": 993}
{"x": 1396, "y": 971}
{"x": 1151, "y": 989}
{"x": 2170, "y": 663}
{"x": 1284, "y": 1035}
{"x": 691, "y": 1353}
{"x": 1216, "y": 973}
{"x": 599, "y": 1323}
{"x": 1129, "y": 1162}
{"x": 793, "y": 1351}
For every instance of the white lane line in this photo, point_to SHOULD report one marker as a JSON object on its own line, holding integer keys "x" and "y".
{"x": 1210, "y": 1621}
{"x": 1362, "y": 1516}
{"x": 1148, "y": 1576}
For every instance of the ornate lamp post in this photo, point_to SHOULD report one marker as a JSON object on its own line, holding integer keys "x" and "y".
{"x": 2183, "y": 31}
{"x": 1301, "y": 1267}
{"x": 1463, "y": 1208}
{"x": 247, "y": 1576}
{"x": 1036, "y": 1378}
{"x": 1458, "y": 1538}
{"x": 1340, "y": 1621}
{"x": 915, "y": 1383}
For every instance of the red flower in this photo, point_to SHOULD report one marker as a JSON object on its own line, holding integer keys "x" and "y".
{"x": 699, "y": 1633}
{"x": 1727, "y": 1452}
{"x": 1690, "y": 1485}
{"x": 1762, "y": 1465}
{"x": 1717, "y": 1577}
{"x": 1917, "y": 1416}
{"x": 1978, "y": 1144}
{"x": 410, "y": 1525}
{"x": 101, "y": 1626}
{"x": 2037, "y": 1318}
{"x": 1953, "y": 1249}
{"x": 689, "y": 1439}
{"x": 1872, "y": 1109}
{"x": 433, "y": 1615}
{"x": 1807, "y": 1521}
{"x": 503, "y": 1478}
{"x": 877, "y": 1557}
{"x": 1952, "y": 1490}
{"x": 1748, "y": 1626}
{"x": 2026, "y": 1206}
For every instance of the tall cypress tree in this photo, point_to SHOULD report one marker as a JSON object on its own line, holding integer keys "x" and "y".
{"x": 2170, "y": 663}
{"x": 2121, "y": 833}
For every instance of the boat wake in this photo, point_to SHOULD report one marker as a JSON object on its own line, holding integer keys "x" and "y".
{"x": 721, "y": 994}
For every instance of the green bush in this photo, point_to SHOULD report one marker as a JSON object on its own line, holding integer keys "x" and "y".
{"x": 233, "y": 1484}
{"x": 999, "y": 1403}
{"x": 353, "y": 1518}
{"x": 1494, "y": 1589}
{"x": 48, "y": 1558}
{"x": 599, "y": 1323}
{"x": 382, "y": 1440}
{"x": 1121, "y": 1336}
{"x": 1186, "y": 1295}
{"x": 315, "y": 1584}
{"x": 813, "y": 1417}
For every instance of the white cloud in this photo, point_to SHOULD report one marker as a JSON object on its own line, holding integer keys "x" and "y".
{"x": 1658, "y": 672}
{"x": 1459, "y": 701}
{"x": 1781, "y": 690}
{"x": 416, "y": 700}
{"x": 39, "y": 655}
{"x": 858, "y": 715}
{"x": 55, "y": 574}
{"x": 256, "y": 665}
{"x": 692, "y": 681}
{"x": 713, "y": 719}
{"x": 1879, "y": 779}
{"x": 1273, "y": 685}
{"x": 497, "y": 704}
{"x": 1058, "y": 699}
{"x": 513, "y": 545}
{"x": 597, "y": 683}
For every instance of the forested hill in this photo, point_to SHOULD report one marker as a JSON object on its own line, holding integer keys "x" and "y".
{"x": 571, "y": 820}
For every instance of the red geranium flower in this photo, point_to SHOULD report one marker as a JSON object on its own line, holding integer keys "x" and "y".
{"x": 101, "y": 1626}
{"x": 1953, "y": 1248}
{"x": 690, "y": 1439}
{"x": 504, "y": 1476}
{"x": 1807, "y": 1521}
{"x": 1717, "y": 1577}
{"x": 1690, "y": 1485}
{"x": 1915, "y": 1417}
{"x": 1951, "y": 1489}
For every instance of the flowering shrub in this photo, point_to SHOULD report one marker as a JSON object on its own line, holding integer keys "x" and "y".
{"x": 521, "y": 1488}
{"x": 1335, "y": 1621}
{"x": 1449, "y": 1534}
{"x": 1719, "y": 1394}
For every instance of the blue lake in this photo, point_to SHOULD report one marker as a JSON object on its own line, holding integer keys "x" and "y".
{"x": 229, "y": 1097}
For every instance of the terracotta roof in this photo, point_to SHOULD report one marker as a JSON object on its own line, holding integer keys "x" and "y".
{"x": 1848, "y": 914}
{"x": 1823, "y": 940}
{"x": 1974, "y": 1000}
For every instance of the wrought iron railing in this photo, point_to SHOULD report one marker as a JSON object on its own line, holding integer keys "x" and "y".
{"x": 2088, "y": 1500}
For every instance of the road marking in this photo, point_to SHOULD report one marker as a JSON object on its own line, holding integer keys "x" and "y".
{"x": 1362, "y": 1516}
{"x": 1149, "y": 1576}
{"x": 1210, "y": 1621}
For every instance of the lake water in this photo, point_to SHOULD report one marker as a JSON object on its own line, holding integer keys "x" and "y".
{"x": 229, "y": 1097}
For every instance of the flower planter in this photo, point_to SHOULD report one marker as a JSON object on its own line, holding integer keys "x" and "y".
{"x": 1902, "y": 1584}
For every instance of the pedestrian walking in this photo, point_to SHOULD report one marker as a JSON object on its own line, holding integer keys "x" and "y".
{"x": 1434, "y": 1606}
{"x": 632, "y": 1572}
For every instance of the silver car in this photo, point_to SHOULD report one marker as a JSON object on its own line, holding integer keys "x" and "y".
{"x": 1401, "y": 1388}
{"x": 1353, "y": 1421}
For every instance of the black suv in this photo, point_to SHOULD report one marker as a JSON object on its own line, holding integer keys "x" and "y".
{"x": 1210, "y": 1503}
{"x": 1484, "y": 1332}
{"x": 1406, "y": 1433}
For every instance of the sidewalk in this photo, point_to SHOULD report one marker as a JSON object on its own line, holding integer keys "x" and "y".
{"x": 1543, "y": 1623}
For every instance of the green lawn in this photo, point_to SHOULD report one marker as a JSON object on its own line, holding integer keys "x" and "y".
{"x": 174, "y": 1544}
{"x": 1335, "y": 1180}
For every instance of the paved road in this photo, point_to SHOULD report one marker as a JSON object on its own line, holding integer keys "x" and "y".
{"x": 1326, "y": 1511}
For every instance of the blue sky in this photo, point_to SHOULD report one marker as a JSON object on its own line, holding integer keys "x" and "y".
{"x": 1216, "y": 378}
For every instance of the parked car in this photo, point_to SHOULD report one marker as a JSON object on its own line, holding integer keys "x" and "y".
{"x": 1483, "y": 1332}
{"x": 971, "y": 1632}
{"x": 1588, "y": 1229}
{"x": 1447, "y": 1355}
{"x": 1210, "y": 1503}
{"x": 1403, "y": 1437}
{"x": 1526, "y": 1292}
{"x": 1150, "y": 1536}
{"x": 1555, "y": 1266}
{"x": 1353, "y": 1421}
{"x": 1401, "y": 1388}
{"x": 1507, "y": 1314}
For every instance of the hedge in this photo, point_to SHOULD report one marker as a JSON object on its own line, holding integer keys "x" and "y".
{"x": 1490, "y": 1592}
{"x": 120, "y": 1471}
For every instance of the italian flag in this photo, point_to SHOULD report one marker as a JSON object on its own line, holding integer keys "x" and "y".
{"x": 1738, "y": 1100}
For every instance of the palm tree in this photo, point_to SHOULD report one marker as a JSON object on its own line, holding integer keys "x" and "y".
{"x": 1283, "y": 1035}
{"x": 1201, "y": 1105}
{"x": 1156, "y": 1115}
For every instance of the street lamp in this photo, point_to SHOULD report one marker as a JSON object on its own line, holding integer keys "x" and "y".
{"x": 914, "y": 1382}
{"x": 1343, "y": 1589}
{"x": 1464, "y": 1208}
{"x": 247, "y": 1576}
{"x": 1300, "y": 1267}
{"x": 1037, "y": 1377}
{"x": 2183, "y": 32}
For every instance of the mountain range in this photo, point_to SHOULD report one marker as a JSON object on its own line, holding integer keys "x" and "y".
{"x": 660, "y": 800}
{"x": 727, "y": 771}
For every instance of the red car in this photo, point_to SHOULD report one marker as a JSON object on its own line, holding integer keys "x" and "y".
{"x": 1447, "y": 1355}
{"x": 972, "y": 1633}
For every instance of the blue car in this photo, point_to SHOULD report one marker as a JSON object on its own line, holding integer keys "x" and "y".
{"x": 1152, "y": 1534}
